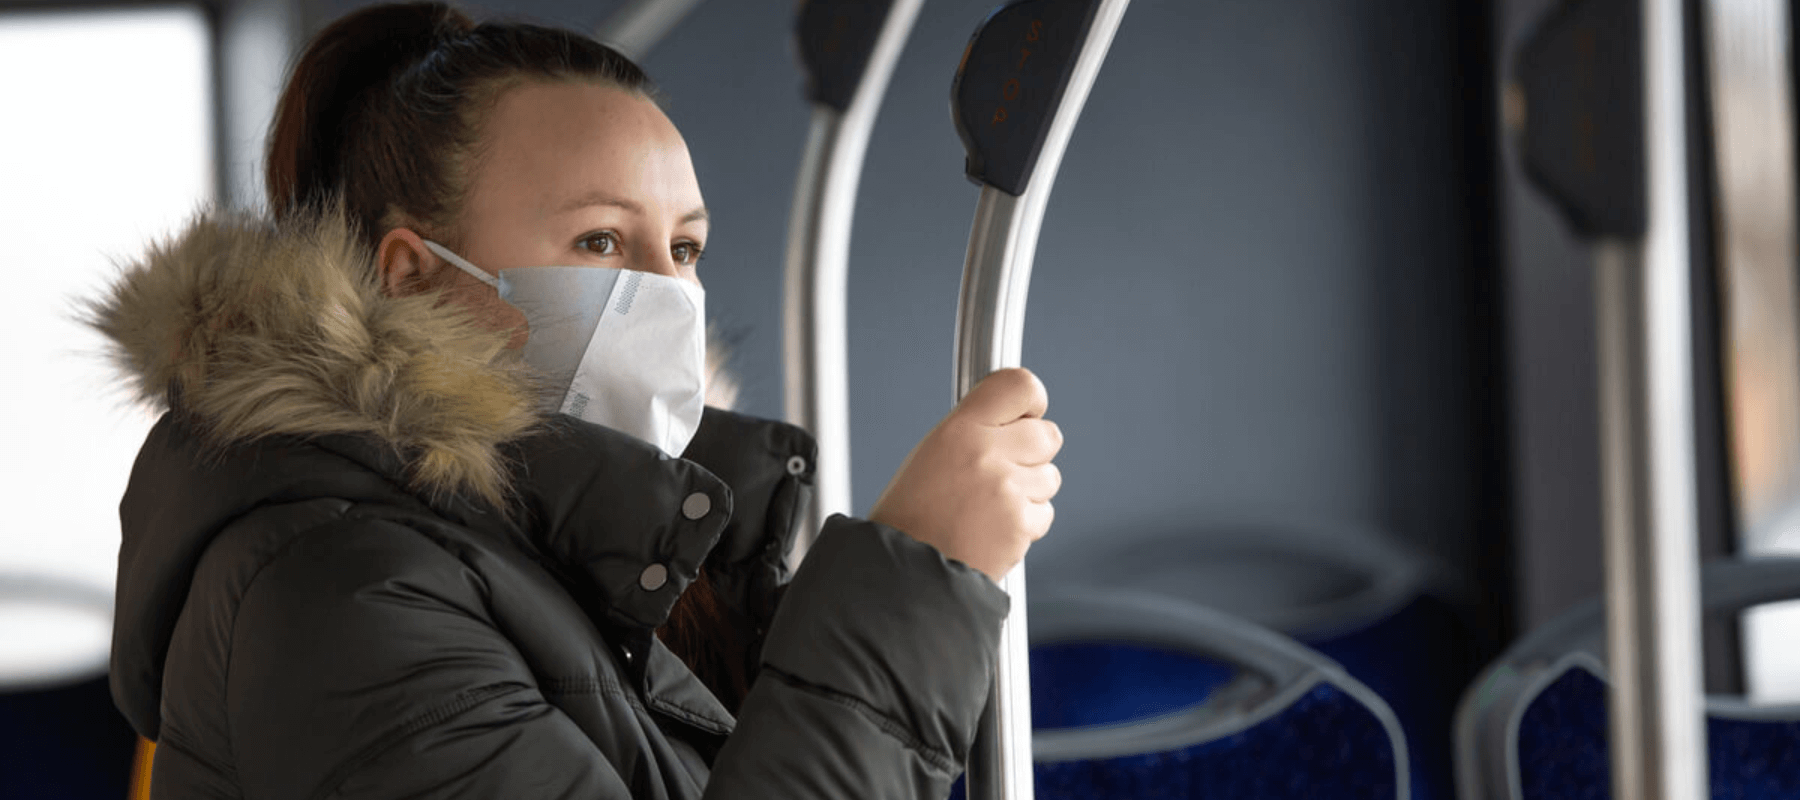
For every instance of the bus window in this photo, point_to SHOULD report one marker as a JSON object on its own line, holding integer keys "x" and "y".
{"x": 106, "y": 142}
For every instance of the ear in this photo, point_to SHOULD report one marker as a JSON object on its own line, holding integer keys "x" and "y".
{"x": 405, "y": 265}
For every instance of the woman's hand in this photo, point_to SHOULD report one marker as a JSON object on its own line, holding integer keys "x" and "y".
{"x": 978, "y": 486}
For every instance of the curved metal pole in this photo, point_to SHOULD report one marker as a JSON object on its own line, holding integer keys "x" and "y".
{"x": 817, "y": 267}
{"x": 990, "y": 336}
{"x": 990, "y": 326}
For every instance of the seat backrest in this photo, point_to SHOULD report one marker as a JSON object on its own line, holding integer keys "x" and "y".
{"x": 1393, "y": 618}
{"x": 1140, "y": 695}
{"x": 1534, "y": 725}
{"x": 1304, "y": 579}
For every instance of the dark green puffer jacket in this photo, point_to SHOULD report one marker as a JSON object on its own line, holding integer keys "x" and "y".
{"x": 357, "y": 563}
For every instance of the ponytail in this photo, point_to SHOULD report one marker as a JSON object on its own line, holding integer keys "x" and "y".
{"x": 344, "y": 72}
{"x": 386, "y": 102}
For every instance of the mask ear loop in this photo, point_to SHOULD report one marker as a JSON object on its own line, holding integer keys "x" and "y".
{"x": 458, "y": 262}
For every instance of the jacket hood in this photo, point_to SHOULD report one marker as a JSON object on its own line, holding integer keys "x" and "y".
{"x": 255, "y": 329}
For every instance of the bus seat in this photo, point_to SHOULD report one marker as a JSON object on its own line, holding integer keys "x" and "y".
{"x": 1393, "y": 619}
{"x": 1534, "y": 725}
{"x": 1137, "y": 695}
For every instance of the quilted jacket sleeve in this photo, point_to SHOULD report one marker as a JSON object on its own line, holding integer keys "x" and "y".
{"x": 874, "y": 675}
{"x": 377, "y": 673}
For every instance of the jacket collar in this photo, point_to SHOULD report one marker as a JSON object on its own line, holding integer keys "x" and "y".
{"x": 662, "y": 516}
{"x": 724, "y": 504}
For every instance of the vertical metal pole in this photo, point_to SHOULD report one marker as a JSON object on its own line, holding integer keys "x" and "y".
{"x": 1749, "y": 74}
{"x": 1647, "y": 441}
{"x": 990, "y": 325}
{"x": 1753, "y": 133}
{"x": 1602, "y": 110}
{"x": 817, "y": 264}
{"x": 997, "y": 273}
{"x": 815, "y": 333}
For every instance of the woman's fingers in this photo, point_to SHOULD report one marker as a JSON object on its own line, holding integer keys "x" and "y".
{"x": 1030, "y": 441}
{"x": 978, "y": 486}
{"x": 1038, "y": 519}
{"x": 1040, "y": 483}
{"x": 1004, "y": 396}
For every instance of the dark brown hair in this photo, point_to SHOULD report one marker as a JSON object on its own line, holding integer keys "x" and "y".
{"x": 384, "y": 109}
{"x": 384, "y": 113}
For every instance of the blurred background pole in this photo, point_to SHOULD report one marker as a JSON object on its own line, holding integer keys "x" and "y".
{"x": 1602, "y": 109}
{"x": 1647, "y": 435}
{"x": 848, "y": 48}
{"x": 637, "y": 25}
{"x": 1749, "y": 82}
{"x": 1017, "y": 95}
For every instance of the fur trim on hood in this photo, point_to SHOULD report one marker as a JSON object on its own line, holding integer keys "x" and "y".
{"x": 253, "y": 329}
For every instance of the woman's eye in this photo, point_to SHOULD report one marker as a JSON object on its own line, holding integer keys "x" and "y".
{"x": 687, "y": 253}
{"x": 604, "y": 243}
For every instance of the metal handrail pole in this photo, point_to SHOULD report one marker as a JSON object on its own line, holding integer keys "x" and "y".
{"x": 990, "y": 336}
{"x": 816, "y": 271}
{"x": 1600, "y": 109}
{"x": 1648, "y": 470}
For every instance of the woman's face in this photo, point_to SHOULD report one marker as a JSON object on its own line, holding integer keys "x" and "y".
{"x": 573, "y": 174}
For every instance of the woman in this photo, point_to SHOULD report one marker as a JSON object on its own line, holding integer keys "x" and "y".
{"x": 362, "y": 557}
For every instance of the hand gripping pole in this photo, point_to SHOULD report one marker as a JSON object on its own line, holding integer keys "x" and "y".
{"x": 1015, "y": 100}
{"x": 849, "y": 48}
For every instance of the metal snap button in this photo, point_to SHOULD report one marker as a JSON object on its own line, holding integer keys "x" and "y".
{"x": 653, "y": 577}
{"x": 696, "y": 505}
{"x": 796, "y": 465}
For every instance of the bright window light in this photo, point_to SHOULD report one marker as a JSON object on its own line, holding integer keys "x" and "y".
{"x": 1771, "y": 653}
{"x": 105, "y": 143}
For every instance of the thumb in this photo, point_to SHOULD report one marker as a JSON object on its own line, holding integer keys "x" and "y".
{"x": 1004, "y": 396}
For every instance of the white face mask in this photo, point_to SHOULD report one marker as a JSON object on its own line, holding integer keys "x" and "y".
{"x": 629, "y": 346}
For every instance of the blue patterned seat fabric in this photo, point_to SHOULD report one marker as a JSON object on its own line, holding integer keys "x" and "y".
{"x": 1419, "y": 660}
{"x": 1563, "y": 752}
{"x": 1326, "y": 744}
{"x": 1108, "y": 683}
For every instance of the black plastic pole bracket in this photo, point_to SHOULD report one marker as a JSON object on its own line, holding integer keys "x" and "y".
{"x": 1582, "y": 143}
{"x": 836, "y": 39}
{"x": 1010, "y": 82}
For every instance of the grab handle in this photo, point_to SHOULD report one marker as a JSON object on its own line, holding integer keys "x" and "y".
{"x": 1016, "y": 97}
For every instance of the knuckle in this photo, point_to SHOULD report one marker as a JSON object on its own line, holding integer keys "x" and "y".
{"x": 1017, "y": 380}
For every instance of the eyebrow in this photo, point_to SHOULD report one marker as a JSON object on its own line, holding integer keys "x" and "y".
{"x": 599, "y": 199}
